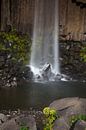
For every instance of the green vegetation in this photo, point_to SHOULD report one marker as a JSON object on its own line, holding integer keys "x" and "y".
{"x": 15, "y": 51}
{"x": 16, "y": 45}
{"x": 50, "y": 117}
{"x": 24, "y": 128}
{"x": 74, "y": 118}
{"x": 83, "y": 53}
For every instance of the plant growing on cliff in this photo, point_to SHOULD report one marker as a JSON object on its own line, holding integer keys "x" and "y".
{"x": 83, "y": 54}
{"x": 14, "y": 53}
{"x": 50, "y": 116}
{"x": 17, "y": 46}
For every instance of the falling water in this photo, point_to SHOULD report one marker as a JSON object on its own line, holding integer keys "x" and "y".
{"x": 56, "y": 46}
{"x": 45, "y": 35}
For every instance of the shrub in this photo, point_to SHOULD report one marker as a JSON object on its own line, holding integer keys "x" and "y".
{"x": 50, "y": 116}
{"x": 16, "y": 45}
{"x": 83, "y": 54}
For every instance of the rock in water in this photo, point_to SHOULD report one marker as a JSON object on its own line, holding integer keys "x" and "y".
{"x": 46, "y": 67}
{"x": 47, "y": 74}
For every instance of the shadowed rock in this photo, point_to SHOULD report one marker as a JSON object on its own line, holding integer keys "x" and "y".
{"x": 80, "y": 125}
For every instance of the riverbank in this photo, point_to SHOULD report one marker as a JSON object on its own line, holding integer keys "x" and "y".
{"x": 67, "y": 109}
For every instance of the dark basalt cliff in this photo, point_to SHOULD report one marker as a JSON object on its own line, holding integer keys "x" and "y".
{"x": 20, "y": 14}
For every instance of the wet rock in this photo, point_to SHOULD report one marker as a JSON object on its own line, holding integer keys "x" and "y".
{"x": 27, "y": 73}
{"x": 58, "y": 77}
{"x": 80, "y": 125}
{"x": 38, "y": 76}
{"x": 62, "y": 77}
{"x": 47, "y": 74}
{"x": 46, "y": 67}
{"x": 46, "y": 71}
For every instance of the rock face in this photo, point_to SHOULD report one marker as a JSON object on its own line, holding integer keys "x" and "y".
{"x": 20, "y": 14}
{"x": 71, "y": 62}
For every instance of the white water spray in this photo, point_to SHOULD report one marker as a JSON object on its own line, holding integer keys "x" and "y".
{"x": 56, "y": 46}
{"x": 45, "y": 36}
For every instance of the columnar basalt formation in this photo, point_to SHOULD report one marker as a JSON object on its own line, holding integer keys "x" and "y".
{"x": 20, "y": 14}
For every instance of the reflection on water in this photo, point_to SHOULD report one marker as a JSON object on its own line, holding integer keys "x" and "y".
{"x": 38, "y": 95}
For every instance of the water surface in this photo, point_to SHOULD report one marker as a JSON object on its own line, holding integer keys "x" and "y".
{"x": 39, "y": 95}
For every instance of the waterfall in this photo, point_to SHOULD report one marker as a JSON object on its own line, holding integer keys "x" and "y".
{"x": 56, "y": 45}
{"x": 45, "y": 36}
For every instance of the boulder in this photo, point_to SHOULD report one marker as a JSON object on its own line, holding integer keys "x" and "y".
{"x": 80, "y": 125}
{"x": 46, "y": 71}
{"x": 60, "y": 124}
{"x": 27, "y": 121}
{"x": 3, "y": 118}
{"x": 9, "y": 125}
{"x": 18, "y": 122}
{"x": 69, "y": 106}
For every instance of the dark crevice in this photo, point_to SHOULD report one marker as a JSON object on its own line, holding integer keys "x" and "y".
{"x": 80, "y": 4}
{"x": 10, "y": 9}
{"x": 0, "y": 12}
{"x": 73, "y": 125}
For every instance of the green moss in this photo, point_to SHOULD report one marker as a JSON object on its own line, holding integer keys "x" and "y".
{"x": 18, "y": 46}
{"x": 83, "y": 54}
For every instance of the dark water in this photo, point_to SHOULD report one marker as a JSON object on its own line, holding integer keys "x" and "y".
{"x": 38, "y": 95}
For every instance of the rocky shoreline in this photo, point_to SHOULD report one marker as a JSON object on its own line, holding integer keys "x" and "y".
{"x": 34, "y": 119}
{"x": 71, "y": 65}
